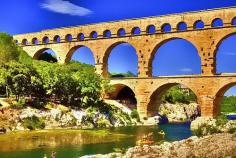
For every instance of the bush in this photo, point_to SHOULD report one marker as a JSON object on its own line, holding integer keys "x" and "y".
{"x": 205, "y": 129}
{"x": 221, "y": 120}
{"x": 134, "y": 114}
{"x": 33, "y": 123}
{"x": 19, "y": 104}
{"x": 103, "y": 123}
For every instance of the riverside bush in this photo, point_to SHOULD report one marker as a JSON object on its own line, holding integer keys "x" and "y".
{"x": 205, "y": 129}
{"x": 19, "y": 104}
{"x": 103, "y": 123}
{"x": 33, "y": 123}
{"x": 134, "y": 114}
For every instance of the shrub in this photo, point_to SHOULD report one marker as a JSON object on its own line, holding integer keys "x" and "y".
{"x": 205, "y": 129}
{"x": 103, "y": 123}
{"x": 19, "y": 104}
{"x": 221, "y": 120}
{"x": 134, "y": 114}
{"x": 33, "y": 123}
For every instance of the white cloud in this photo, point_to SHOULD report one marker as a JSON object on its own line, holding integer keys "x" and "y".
{"x": 186, "y": 70}
{"x": 65, "y": 7}
{"x": 230, "y": 53}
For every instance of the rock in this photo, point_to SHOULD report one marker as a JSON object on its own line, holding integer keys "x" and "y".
{"x": 152, "y": 120}
{"x": 56, "y": 113}
{"x": 179, "y": 112}
{"x": 19, "y": 127}
{"x": 78, "y": 115}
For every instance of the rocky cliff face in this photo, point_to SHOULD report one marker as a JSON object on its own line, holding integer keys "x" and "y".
{"x": 179, "y": 112}
{"x": 56, "y": 118}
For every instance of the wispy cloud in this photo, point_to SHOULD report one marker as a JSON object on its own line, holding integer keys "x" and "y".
{"x": 65, "y": 7}
{"x": 186, "y": 70}
{"x": 229, "y": 53}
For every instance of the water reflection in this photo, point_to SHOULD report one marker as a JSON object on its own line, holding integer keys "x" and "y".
{"x": 75, "y": 143}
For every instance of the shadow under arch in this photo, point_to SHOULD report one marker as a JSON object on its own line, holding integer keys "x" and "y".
{"x": 155, "y": 99}
{"x": 219, "y": 43}
{"x": 219, "y": 97}
{"x": 109, "y": 51}
{"x": 154, "y": 51}
{"x": 124, "y": 94}
{"x": 74, "y": 49}
{"x": 38, "y": 53}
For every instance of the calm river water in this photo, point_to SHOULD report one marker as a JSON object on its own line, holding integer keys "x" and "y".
{"x": 75, "y": 143}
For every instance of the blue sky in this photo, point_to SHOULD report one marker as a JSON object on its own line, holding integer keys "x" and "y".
{"x": 35, "y": 15}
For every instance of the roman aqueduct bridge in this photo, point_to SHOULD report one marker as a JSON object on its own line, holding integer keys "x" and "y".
{"x": 101, "y": 38}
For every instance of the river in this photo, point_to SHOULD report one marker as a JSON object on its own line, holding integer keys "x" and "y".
{"x": 75, "y": 143}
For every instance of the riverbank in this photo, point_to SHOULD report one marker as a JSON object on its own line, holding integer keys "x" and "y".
{"x": 61, "y": 117}
{"x": 212, "y": 146}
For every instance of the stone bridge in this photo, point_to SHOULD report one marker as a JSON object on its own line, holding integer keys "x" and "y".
{"x": 200, "y": 29}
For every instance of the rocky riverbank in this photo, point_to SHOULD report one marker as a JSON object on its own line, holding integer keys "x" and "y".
{"x": 179, "y": 112}
{"x": 212, "y": 146}
{"x": 61, "y": 117}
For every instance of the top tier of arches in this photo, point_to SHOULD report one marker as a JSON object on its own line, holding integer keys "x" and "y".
{"x": 128, "y": 29}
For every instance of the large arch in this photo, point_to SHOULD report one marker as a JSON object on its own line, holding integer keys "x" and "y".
{"x": 37, "y": 55}
{"x": 133, "y": 54}
{"x": 225, "y": 54}
{"x": 219, "y": 97}
{"x": 155, "y": 97}
{"x": 183, "y": 44}
{"x": 88, "y": 52}
{"x": 124, "y": 95}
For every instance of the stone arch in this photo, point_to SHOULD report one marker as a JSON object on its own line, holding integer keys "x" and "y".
{"x": 182, "y": 26}
{"x": 233, "y": 21}
{"x": 219, "y": 96}
{"x": 80, "y": 37}
{"x": 108, "y": 52}
{"x": 45, "y": 40}
{"x": 136, "y": 31}
{"x": 128, "y": 95}
{"x": 199, "y": 24}
{"x": 217, "y": 22}
{"x": 93, "y": 35}
{"x": 25, "y": 42}
{"x": 107, "y": 34}
{"x": 121, "y": 32}
{"x": 166, "y": 27}
{"x": 72, "y": 51}
{"x": 56, "y": 39}
{"x": 158, "y": 45}
{"x": 218, "y": 43}
{"x": 39, "y": 52}
{"x": 68, "y": 38}
{"x": 156, "y": 94}
{"x": 35, "y": 41}
{"x": 151, "y": 29}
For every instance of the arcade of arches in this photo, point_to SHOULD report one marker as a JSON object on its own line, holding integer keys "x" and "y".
{"x": 205, "y": 30}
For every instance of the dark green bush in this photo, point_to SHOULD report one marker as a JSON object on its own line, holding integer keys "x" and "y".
{"x": 221, "y": 120}
{"x": 134, "y": 114}
{"x": 33, "y": 123}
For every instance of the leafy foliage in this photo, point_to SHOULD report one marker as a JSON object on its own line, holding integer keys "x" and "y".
{"x": 176, "y": 94}
{"x": 127, "y": 74}
{"x": 74, "y": 84}
{"x": 228, "y": 104}
{"x": 33, "y": 123}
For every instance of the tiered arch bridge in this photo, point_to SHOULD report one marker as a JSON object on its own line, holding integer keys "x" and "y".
{"x": 199, "y": 29}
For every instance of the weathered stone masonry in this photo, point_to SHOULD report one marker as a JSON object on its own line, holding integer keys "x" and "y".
{"x": 209, "y": 86}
